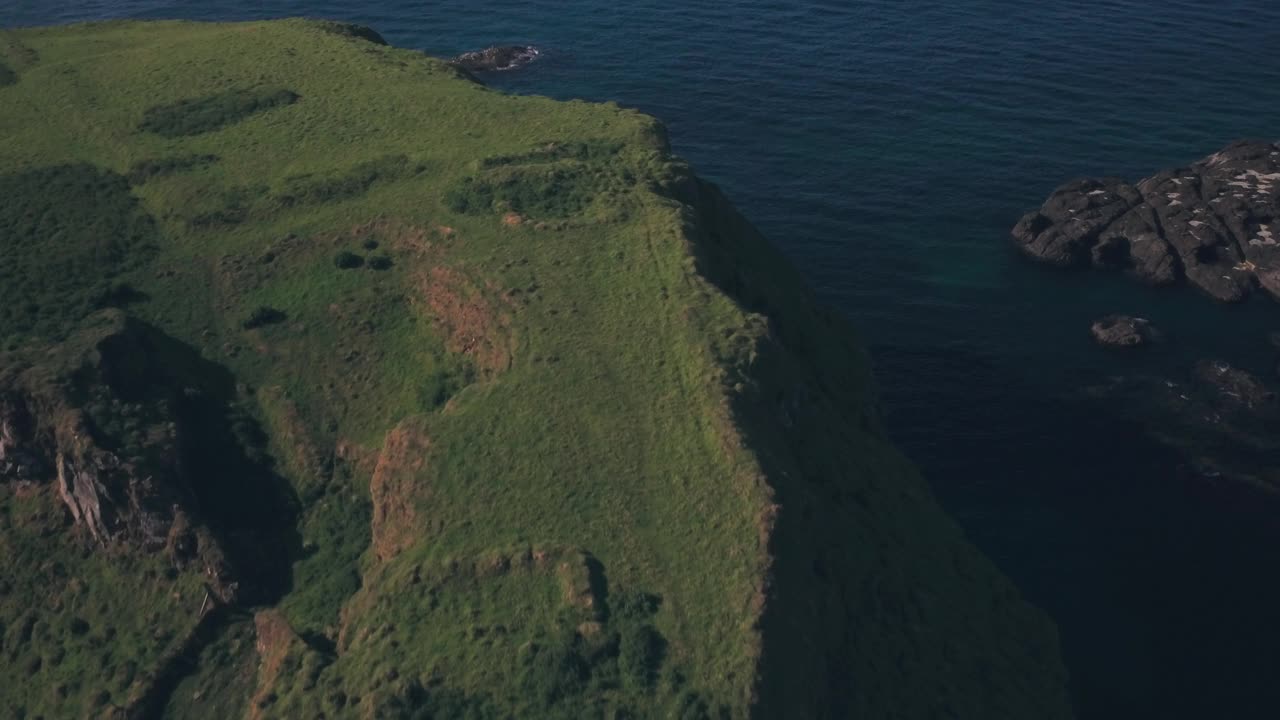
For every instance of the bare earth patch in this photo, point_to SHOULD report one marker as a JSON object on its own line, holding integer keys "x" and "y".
{"x": 275, "y": 640}
{"x": 394, "y": 488}
{"x": 469, "y": 323}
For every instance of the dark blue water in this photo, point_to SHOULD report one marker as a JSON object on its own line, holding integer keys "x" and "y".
{"x": 888, "y": 147}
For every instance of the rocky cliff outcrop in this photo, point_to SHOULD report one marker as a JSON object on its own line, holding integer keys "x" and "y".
{"x": 1214, "y": 223}
{"x": 103, "y": 416}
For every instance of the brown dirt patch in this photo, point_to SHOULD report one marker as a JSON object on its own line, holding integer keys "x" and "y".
{"x": 577, "y": 582}
{"x": 469, "y": 322}
{"x": 512, "y": 219}
{"x": 361, "y": 459}
{"x": 276, "y": 639}
{"x": 395, "y": 488}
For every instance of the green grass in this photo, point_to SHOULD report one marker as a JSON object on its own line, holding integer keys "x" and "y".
{"x": 66, "y": 232}
{"x": 224, "y": 679}
{"x": 78, "y": 631}
{"x": 581, "y": 378}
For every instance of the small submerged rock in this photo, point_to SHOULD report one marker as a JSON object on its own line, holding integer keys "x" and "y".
{"x": 1124, "y": 331}
{"x": 496, "y": 58}
{"x": 1237, "y": 389}
{"x": 1220, "y": 421}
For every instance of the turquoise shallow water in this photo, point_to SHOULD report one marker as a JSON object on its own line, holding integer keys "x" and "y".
{"x": 888, "y": 147}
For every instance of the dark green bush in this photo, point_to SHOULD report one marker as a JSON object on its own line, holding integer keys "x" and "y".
{"x": 555, "y": 670}
{"x": 145, "y": 170}
{"x": 641, "y": 650}
{"x": 634, "y": 606}
{"x": 347, "y": 260}
{"x": 380, "y": 262}
{"x": 551, "y": 191}
{"x": 470, "y": 196}
{"x": 7, "y": 75}
{"x": 441, "y": 703}
{"x": 202, "y": 115}
{"x": 261, "y": 316}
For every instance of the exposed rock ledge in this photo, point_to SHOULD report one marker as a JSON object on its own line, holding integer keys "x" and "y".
{"x": 496, "y": 58}
{"x": 1215, "y": 223}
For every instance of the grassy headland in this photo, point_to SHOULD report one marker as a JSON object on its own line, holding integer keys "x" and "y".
{"x": 556, "y": 433}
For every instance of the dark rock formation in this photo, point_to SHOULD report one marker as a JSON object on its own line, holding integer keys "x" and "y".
{"x": 496, "y": 58}
{"x": 1215, "y": 223}
{"x": 17, "y": 462}
{"x": 1124, "y": 331}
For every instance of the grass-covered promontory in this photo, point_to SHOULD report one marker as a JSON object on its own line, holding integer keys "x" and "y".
{"x": 459, "y": 405}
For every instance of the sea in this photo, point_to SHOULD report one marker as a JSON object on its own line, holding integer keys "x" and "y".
{"x": 888, "y": 146}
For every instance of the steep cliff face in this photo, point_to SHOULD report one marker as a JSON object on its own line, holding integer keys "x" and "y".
{"x": 877, "y": 606}
{"x": 484, "y": 406}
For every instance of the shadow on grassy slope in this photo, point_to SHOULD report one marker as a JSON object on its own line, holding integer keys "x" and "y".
{"x": 145, "y": 170}
{"x": 864, "y": 562}
{"x": 350, "y": 183}
{"x": 206, "y": 114}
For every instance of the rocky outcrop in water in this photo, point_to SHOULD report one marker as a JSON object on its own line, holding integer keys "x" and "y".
{"x": 1215, "y": 223}
{"x": 1124, "y": 331}
{"x": 496, "y": 58}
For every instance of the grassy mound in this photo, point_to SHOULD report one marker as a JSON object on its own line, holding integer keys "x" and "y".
{"x": 559, "y": 434}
